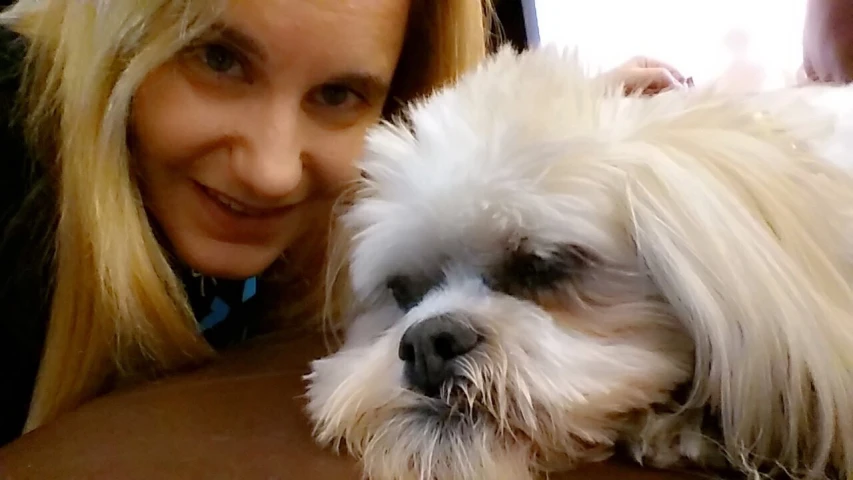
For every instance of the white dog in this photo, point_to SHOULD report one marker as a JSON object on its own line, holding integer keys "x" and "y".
{"x": 544, "y": 269}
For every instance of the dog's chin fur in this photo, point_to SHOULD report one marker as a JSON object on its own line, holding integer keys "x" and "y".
{"x": 690, "y": 297}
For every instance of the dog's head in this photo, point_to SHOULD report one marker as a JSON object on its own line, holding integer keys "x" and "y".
{"x": 536, "y": 258}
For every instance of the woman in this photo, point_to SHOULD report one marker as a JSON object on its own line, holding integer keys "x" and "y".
{"x": 180, "y": 162}
{"x": 180, "y": 153}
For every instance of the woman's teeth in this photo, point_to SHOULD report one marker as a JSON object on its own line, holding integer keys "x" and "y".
{"x": 231, "y": 204}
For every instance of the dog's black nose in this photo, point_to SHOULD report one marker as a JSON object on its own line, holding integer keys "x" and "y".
{"x": 428, "y": 346}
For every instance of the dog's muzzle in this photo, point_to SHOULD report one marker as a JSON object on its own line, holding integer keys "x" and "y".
{"x": 429, "y": 348}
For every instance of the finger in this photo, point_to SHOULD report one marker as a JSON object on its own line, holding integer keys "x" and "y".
{"x": 649, "y": 62}
{"x": 650, "y": 80}
{"x": 666, "y": 79}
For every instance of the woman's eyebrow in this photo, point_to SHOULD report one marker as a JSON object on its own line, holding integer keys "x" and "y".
{"x": 369, "y": 83}
{"x": 241, "y": 40}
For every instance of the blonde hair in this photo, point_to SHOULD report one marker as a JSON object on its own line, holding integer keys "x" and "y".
{"x": 118, "y": 308}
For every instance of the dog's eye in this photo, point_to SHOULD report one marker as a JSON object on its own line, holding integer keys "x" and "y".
{"x": 532, "y": 271}
{"x": 408, "y": 291}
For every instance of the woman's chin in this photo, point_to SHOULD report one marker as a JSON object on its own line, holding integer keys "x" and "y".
{"x": 227, "y": 260}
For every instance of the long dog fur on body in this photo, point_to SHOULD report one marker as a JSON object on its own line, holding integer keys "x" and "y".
{"x": 716, "y": 232}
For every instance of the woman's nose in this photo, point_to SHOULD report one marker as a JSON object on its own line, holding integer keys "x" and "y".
{"x": 270, "y": 161}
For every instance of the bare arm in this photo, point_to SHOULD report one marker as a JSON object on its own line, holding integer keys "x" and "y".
{"x": 828, "y": 41}
{"x": 238, "y": 419}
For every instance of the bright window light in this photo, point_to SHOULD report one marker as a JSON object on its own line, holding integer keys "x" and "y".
{"x": 740, "y": 45}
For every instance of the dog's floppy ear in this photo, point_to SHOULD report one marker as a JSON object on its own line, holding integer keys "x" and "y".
{"x": 743, "y": 234}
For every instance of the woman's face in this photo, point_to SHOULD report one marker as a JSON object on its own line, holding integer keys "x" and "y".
{"x": 244, "y": 139}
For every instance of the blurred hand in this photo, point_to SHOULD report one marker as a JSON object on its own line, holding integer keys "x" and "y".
{"x": 648, "y": 76}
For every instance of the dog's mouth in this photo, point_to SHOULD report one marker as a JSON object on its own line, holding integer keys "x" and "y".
{"x": 462, "y": 405}
{"x": 452, "y": 435}
{"x": 454, "y": 398}
{"x": 449, "y": 415}
{"x": 460, "y": 398}
{"x": 454, "y": 422}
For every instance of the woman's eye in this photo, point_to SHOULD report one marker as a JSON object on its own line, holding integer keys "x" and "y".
{"x": 220, "y": 59}
{"x": 337, "y": 96}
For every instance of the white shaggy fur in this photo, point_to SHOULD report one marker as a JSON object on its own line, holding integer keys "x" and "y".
{"x": 711, "y": 237}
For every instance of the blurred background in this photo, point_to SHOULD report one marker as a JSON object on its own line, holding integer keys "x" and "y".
{"x": 739, "y": 44}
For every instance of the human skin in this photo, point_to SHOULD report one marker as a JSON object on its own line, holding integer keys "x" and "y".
{"x": 243, "y": 139}
{"x": 275, "y": 143}
{"x": 239, "y": 418}
{"x": 828, "y": 41}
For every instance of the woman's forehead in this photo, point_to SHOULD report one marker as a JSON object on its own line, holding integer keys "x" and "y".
{"x": 349, "y": 35}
